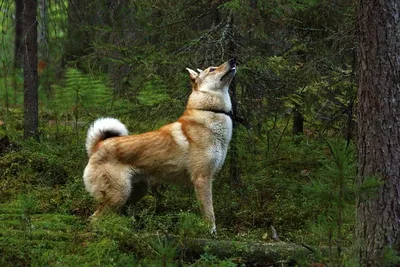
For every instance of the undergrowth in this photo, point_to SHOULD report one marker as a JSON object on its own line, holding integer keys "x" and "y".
{"x": 44, "y": 204}
{"x": 301, "y": 187}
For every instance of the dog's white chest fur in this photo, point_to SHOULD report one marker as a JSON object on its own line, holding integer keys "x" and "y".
{"x": 222, "y": 134}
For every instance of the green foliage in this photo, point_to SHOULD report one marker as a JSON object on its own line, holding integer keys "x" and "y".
{"x": 27, "y": 237}
{"x": 83, "y": 93}
{"x": 210, "y": 260}
{"x": 165, "y": 250}
{"x": 6, "y": 29}
{"x": 105, "y": 252}
{"x": 291, "y": 54}
{"x": 390, "y": 257}
{"x": 191, "y": 226}
{"x": 152, "y": 94}
{"x": 31, "y": 169}
{"x": 333, "y": 189}
{"x": 289, "y": 194}
{"x": 112, "y": 226}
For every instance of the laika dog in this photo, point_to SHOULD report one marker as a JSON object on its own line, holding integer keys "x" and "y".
{"x": 188, "y": 151}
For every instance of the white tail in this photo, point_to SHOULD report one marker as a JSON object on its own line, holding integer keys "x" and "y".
{"x": 102, "y": 129}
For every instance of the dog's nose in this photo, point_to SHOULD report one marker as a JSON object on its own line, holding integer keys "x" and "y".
{"x": 232, "y": 61}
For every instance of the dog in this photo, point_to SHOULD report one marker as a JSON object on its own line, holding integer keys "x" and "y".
{"x": 189, "y": 151}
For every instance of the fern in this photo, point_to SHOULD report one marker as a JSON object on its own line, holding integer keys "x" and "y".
{"x": 153, "y": 93}
{"x": 81, "y": 94}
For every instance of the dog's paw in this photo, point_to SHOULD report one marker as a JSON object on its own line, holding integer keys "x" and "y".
{"x": 92, "y": 218}
{"x": 213, "y": 232}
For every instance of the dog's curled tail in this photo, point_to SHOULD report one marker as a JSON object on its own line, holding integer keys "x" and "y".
{"x": 102, "y": 129}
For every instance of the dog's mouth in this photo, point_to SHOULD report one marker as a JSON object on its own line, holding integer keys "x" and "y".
{"x": 229, "y": 73}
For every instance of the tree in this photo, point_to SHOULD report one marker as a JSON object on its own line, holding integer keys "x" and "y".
{"x": 43, "y": 31}
{"x": 19, "y": 28}
{"x": 298, "y": 121}
{"x": 234, "y": 153}
{"x": 78, "y": 39}
{"x": 30, "y": 48}
{"x": 378, "y": 213}
{"x": 19, "y": 24}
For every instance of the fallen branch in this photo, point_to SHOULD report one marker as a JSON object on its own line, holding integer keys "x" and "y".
{"x": 244, "y": 252}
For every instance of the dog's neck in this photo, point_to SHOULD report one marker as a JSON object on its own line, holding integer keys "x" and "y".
{"x": 218, "y": 102}
{"x": 230, "y": 114}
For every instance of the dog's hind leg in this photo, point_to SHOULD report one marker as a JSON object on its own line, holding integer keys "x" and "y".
{"x": 138, "y": 191}
{"x": 112, "y": 188}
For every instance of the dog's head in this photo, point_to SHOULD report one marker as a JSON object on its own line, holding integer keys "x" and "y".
{"x": 213, "y": 78}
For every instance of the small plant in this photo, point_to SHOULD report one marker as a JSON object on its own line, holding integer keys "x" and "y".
{"x": 190, "y": 225}
{"x": 207, "y": 259}
{"x": 333, "y": 189}
{"x": 28, "y": 206}
{"x": 165, "y": 250}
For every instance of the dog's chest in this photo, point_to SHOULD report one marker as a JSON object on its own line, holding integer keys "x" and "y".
{"x": 222, "y": 133}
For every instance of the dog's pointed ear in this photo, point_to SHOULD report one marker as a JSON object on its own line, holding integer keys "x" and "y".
{"x": 199, "y": 70}
{"x": 193, "y": 74}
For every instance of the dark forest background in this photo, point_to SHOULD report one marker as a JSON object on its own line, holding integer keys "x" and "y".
{"x": 290, "y": 177}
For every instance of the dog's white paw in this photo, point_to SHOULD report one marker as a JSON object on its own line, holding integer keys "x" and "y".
{"x": 92, "y": 218}
{"x": 213, "y": 231}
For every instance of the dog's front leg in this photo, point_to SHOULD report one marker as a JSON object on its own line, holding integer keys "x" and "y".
{"x": 203, "y": 189}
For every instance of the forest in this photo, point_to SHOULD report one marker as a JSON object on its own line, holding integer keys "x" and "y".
{"x": 312, "y": 173}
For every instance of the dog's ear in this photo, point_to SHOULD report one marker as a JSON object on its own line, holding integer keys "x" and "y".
{"x": 193, "y": 74}
{"x": 199, "y": 70}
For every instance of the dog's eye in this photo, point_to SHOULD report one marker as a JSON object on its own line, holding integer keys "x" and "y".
{"x": 212, "y": 69}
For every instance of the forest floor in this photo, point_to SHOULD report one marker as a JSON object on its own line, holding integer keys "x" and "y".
{"x": 44, "y": 210}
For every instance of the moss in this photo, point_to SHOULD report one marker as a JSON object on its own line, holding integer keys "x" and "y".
{"x": 44, "y": 207}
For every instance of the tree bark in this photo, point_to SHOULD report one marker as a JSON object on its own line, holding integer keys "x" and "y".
{"x": 378, "y": 213}
{"x": 116, "y": 14}
{"x": 43, "y": 36}
{"x": 18, "y": 53}
{"x": 30, "y": 49}
{"x": 43, "y": 46}
{"x": 298, "y": 121}
{"x": 19, "y": 28}
{"x": 234, "y": 170}
{"x": 78, "y": 40}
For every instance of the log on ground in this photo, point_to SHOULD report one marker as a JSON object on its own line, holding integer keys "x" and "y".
{"x": 247, "y": 252}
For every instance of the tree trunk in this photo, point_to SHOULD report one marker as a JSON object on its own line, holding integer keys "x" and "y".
{"x": 18, "y": 53}
{"x": 78, "y": 40}
{"x": 234, "y": 152}
{"x": 42, "y": 37}
{"x": 378, "y": 213}
{"x": 43, "y": 46}
{"x": 30, "y": 49}
{"x": 298, "y": 121}
{"x": 19, "y": 28}
{"x": 234, "y": 171}
{"x": 115, "y": 15}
